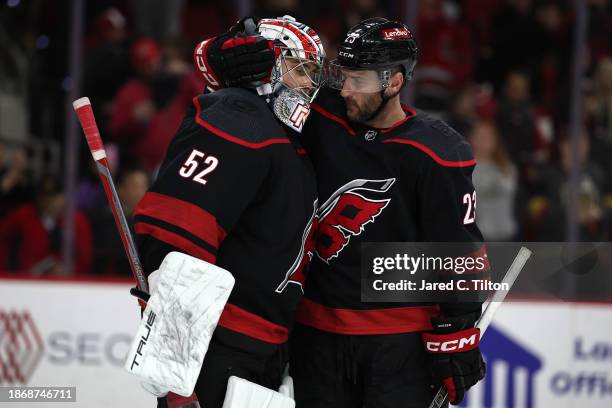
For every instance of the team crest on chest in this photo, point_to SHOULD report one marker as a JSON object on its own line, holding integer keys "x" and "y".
{"x": 347, "y": 212}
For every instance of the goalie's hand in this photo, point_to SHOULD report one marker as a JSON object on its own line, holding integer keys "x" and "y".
{"x": 238, "y": 58}
{"x": 454, "y": 357}
{"x": 142, "y": 296}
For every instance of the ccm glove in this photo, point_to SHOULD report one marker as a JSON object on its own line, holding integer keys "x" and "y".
{"x": 454, "y": 357}
{"x": 236, "y": 58}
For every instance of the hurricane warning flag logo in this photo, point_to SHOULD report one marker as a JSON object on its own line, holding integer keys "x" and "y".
{"x": 347, "y": 212}
{"x": 21, "y": 347}
{"x": 295, "y": 274}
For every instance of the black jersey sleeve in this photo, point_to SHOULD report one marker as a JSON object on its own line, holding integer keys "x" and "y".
{"x": 205, "y": 183}
{"x": 448, "y": 202}
{"x": 448, "y": 215}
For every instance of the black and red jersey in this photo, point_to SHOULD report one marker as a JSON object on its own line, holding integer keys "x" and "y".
{"x": 237, "y": 190}
{"x": 408, "y": 183}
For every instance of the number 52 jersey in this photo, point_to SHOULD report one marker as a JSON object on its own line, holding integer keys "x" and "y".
{"x": 235, "y": 189}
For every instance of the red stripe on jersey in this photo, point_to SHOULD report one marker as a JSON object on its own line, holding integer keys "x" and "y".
{"x": 430, "y": 153}
{"x": 175, "y": 240}
{"x": 410, "y": 113}
{"x": 239, "y": 320}
{"x": 379, "y": 321}
{"x": 229, "y": 137}
{"x": 333, "y": 117}
{"x": 184, "y": 215}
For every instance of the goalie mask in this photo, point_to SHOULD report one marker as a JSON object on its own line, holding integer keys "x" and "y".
{"x": 295, "y": 79}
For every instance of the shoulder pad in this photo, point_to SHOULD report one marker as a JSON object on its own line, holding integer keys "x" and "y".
{"x": 436, "y": 138}
{"x": 239, "y": 116}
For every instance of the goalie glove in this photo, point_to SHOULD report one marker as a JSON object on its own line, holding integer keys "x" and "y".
{"x": 237, "y": 58}
{"x": 454, "y": 357}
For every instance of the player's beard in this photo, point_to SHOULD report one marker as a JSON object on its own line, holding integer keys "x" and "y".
{"x": 362, "y": 111}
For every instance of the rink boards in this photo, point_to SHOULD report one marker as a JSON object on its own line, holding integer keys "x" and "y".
{"x": 71, "y": 333}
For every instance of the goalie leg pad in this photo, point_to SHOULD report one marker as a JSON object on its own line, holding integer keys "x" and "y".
{"x": 245, "y": 394}
{"x": 178, "y": 323}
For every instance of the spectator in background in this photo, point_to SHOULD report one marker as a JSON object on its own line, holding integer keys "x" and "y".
{"x": 148, "y": 109}
{"x": 462, "y": 114}
{"x": 133, "y": 105}
{"x": 173, "y": 91}
{"x": 109, "y": 256}
{"x": 90, "y": 193}
{"x": 107, "y": 46}
{"x": 515, "y": 118}
{"x": 512, "y": 37}
{"x": 552, "y": 45}
{"x": 31, "y": 235}
{"x": 552, "y": 219}
{"x": 446, "y": 55}
{"x": 598, "y": 106}
{"x": 14, "y": 178}
{"x": 496, "y": 181}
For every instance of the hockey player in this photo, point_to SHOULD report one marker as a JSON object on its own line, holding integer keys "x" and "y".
{"x": 385, "y": 173}
{"x": 237, "y": 190}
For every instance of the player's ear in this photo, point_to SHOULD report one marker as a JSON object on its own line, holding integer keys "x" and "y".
{"x": 395, "y": 83}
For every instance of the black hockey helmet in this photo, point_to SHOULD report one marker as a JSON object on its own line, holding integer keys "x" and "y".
{"x": 376, "y": 44}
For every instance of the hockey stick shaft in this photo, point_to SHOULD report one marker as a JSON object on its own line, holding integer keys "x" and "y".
{"x": 489, "y": 312}
{"x": 83, "y": 109}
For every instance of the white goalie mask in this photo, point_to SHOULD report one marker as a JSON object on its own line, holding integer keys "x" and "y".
{"x": 296, "y": 77}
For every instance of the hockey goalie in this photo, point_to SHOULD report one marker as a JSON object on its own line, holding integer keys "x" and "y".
{"x": 226, "y": 230}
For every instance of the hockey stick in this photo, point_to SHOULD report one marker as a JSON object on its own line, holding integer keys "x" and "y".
{"x": 490, "y": 310}
{"x": 82, "y": 107}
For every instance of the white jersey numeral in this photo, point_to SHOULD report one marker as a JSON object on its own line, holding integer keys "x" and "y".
{"x": 470, "y": 213}
{"x": 192, "y": 163}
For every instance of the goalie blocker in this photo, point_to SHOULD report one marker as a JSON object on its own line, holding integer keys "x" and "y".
{"x": 177, "y": 325}
{"x": 187, "y": 298}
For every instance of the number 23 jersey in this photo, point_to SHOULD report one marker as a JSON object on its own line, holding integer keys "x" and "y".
{"x": 410, "y": 182}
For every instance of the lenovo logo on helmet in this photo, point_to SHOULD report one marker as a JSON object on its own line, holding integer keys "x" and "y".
{"x": 465, "y": 343}
{"x": 391, "y": 33}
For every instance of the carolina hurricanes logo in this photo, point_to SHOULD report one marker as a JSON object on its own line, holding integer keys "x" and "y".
{"x": 346, "y": 213}
{"x": 299, "y": 115}
{"x": 295, "y": 274}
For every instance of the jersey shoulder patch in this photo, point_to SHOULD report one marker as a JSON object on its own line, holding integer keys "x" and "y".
{"x": 240, "y": 117}
{"x": 437, "y": 139}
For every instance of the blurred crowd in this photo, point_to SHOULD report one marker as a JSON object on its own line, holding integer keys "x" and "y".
{"x": 498, "y": 71}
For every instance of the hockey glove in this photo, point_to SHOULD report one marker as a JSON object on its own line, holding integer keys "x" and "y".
{"x": 455, "y": 359}
{"x": 236, "y": 58}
